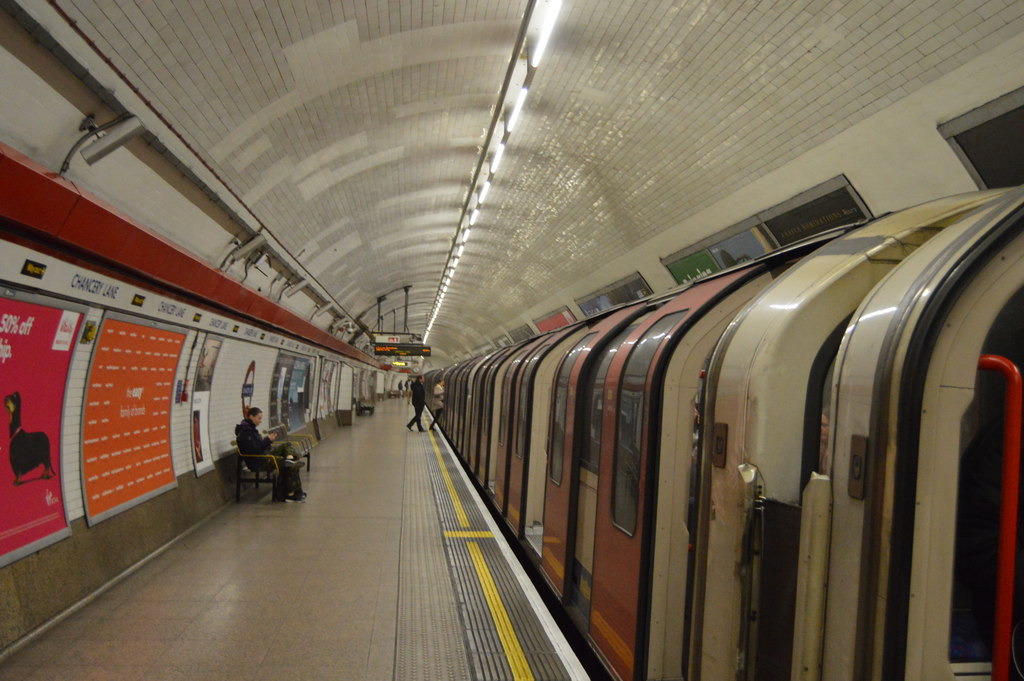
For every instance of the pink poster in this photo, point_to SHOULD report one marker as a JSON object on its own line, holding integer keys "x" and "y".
{"x": 35, "y": 350}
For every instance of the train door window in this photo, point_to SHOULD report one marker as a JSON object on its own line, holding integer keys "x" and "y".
{"x": 978, "y": 507}
{"x": 818, "y": 407}
{"x": 525, "y": 392}
{"x": 630, "y": 424}
{"x": 590, "y": 452}
{"x": 506, "y": 399}
{"x": 560, "y": 407}
{"x": 989, "y": 140}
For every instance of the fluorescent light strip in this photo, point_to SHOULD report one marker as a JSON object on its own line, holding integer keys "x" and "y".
{"x": 483, "y": 193}
{"x": 473, "y": 217}
{"x": 517, "y": 109}
{"x": 461, "y": 248}
{"x": 545, "y": 32}
{"x": 497, "y": 159}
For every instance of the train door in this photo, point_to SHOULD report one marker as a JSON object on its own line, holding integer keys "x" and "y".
{"x": 509, "y": 413}
{"x": 464, "y": 413}
{"x": 557, "y": 493}
{"x": 561, "y": 493}
{"x": 519, "y": 445}
{"x": 484, "y": 414}
{"x": 917, "y": 463}
{"x": 590, "y": 433}
{"x": 473, "y": 411}
{"x": 536, "y": 473}
{"x": 499, "y": 412}
{"x": 624, "y": 455}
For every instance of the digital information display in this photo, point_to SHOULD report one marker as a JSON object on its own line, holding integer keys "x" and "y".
{"x": 401, "y": 349}
{"x": 126, "y": 443}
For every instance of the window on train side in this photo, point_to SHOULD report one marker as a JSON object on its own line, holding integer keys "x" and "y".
{"x": 525, "y": 392}
{"x": 630, "y": 426}
{"x": 595, "y": 399}
{"x": 506, "y": 400}
{"x": 560, "y": 406}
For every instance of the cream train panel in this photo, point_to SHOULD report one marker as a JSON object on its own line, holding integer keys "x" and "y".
{"x": 669, "y": 572}
{"x": 760, "y": 383}
{"x": 870, "y": 365}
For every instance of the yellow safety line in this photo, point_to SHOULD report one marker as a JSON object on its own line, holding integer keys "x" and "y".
{"x": 468, "y": 534}
{"x": 507, "y": 634}
{"x": 459, "y": 511}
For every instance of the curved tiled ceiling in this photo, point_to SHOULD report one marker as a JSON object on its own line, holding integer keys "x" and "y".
{"x": 352, "y": 128}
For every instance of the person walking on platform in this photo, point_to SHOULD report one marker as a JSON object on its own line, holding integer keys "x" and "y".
{"x": 438, "y": 407}
{"x": 419, "y": 400}
{"x": 288, "y": 486}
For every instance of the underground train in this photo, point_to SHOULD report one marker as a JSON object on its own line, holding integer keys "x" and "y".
{"x": 759, "y": 475}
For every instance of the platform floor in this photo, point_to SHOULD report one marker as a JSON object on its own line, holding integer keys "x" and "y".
{"x": 391, "y": 570}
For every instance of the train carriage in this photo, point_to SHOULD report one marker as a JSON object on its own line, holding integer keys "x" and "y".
{"x": 763, "y": 424}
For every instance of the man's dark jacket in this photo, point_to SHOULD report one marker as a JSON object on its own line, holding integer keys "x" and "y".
{"x": 249, "y": 439}
{"x": 419, "y": 394}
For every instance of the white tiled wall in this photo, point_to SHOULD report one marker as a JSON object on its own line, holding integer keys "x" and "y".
{"x": 345, "y": 377}
{"x": 226, "y": 391}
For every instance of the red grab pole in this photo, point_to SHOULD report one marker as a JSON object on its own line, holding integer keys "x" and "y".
{"x": 1008, "y": 508}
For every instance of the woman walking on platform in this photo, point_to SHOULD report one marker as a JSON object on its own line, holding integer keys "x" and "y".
{"x": 438, "y": 407}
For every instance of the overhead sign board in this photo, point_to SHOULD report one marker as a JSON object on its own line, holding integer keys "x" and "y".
{"x": 395, "y": 338}
{"x": 401, "y": 349}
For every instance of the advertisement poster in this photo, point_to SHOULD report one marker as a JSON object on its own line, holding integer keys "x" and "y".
{"x": 126, "y": 443}
{"x": 202, "y": 456}
{"x": 35, "y": 351}
{"x": 325, "y": 405}
{"x": 288, "y": 395}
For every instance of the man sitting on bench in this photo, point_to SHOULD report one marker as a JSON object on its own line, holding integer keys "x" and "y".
{"x": 288, "y": 486}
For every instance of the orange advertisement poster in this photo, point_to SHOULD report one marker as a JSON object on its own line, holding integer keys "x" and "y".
{"x": 126, "y": 440}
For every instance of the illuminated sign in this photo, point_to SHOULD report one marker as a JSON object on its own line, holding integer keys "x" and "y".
{"x": 397, "y": 363}
{"x": 401, "y": 349}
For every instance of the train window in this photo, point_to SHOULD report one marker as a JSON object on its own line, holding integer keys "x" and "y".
{"x": 506, "y": 401}
{"x": 595, "y": 399}
{"x": 626, "y": 472}
{"x": 525, "y": 391}
{"x": 560, "y": 406}
{"x": 978, "y": 514}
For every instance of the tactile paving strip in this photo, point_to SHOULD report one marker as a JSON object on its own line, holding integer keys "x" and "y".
{"x": 429, "y": 643}
{"x": 488, "y": 656}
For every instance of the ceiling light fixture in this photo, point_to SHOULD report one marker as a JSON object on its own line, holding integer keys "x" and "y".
{"x": 520, "y": 100}
{"x": 473, "y": 217}
{"x": 497, "y": 159}
{"x": 483, "y": 193}
{"x": 545, "y": 32}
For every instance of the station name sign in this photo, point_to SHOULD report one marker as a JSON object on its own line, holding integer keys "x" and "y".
{"x": 401, "y": 349}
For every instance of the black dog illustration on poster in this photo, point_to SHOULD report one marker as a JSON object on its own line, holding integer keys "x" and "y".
{"x": 28, "y": 450}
